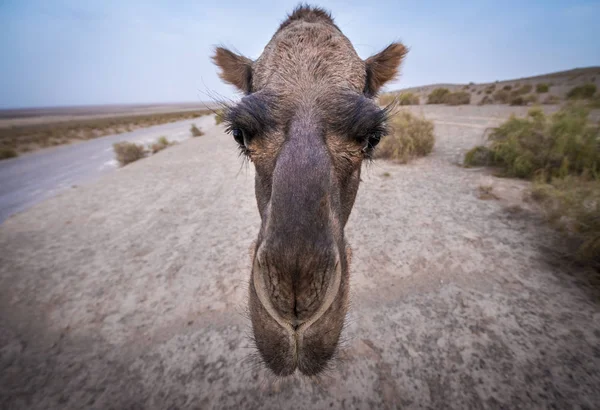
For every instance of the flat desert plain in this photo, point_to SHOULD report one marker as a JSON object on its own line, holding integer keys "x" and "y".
{"x": 129, "y": 292}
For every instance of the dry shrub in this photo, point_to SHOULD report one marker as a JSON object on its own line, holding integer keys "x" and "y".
{"x": 501, "y": 96}
{"x": 585, "y": 91}
{"x": 573, "y": 205}
{"x": 458, "y": 98}
{"x": 386, "y": 99}
{"x": 542, "y": 88}
{"x": 507, "y": 87}
{"x": 160, "y": 144}
{"x": 518, "y": 100}
{"x": 438, "y": 96}
{"x": 595, "y": 102}
{"x": 524, "y": 89}
{"x": 127, "y": 152}
{"x": 6, "y": 152}
{"x": 551, "y": 99}
{"x": 486, "y": 100}
{"x": 196, "y": 132}
{"x": 410, "y": 137}
{"x": 408, "y": 99}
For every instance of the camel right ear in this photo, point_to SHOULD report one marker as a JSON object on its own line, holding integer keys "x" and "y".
{"x": 235, "y": 69}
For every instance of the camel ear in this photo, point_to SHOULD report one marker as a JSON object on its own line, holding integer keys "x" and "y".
{"x": 383, "y": 67}
{"x": 235, "y": 69}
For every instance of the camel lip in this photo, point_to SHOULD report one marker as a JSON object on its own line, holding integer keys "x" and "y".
{"x": 296, "y": 327}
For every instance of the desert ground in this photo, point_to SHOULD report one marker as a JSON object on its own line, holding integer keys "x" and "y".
{"x": 129, "y": 291}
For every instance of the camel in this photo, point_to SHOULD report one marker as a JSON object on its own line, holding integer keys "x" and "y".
{"x": 307, "y": 121}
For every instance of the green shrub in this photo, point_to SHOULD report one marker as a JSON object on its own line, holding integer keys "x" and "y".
{"x": 507, "y": 87}
{"x": 478, "y": 156}
{"x": 6, "y": 152}
{"x": 542, "y": 88}
{"x": 127, "y": 152}
{"x": 458, "y": 98}
{"x": 196, "y": 132}
{"x": 548, "y": 146}
{"x": 531, "y": 99}
{"x": 573, "y": 205}
{"x": 438, "y": 96}
{"x": 582, "y": 92}
{"x": 410, "y": 137}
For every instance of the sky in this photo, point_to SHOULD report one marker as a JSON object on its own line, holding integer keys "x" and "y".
{"x": 76, "y": 52}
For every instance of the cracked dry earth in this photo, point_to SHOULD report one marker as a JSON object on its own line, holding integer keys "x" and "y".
{"x": 129, "y": 292}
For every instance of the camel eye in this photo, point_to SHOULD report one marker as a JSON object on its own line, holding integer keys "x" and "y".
{"x": 239, "y": 136}
{"x": 372, "y": 141}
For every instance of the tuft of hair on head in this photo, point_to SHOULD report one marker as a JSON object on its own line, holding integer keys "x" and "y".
{"x": 309, "y": 14}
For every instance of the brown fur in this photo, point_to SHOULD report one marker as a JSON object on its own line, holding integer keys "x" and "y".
{"x": 307, "y": 123}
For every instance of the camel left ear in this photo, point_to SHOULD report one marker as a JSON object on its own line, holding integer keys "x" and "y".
{"x": 383, "y": 67}
{"x": 235, "y": 69}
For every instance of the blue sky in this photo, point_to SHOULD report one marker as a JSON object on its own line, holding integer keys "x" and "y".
{"x": 73, "y": 52}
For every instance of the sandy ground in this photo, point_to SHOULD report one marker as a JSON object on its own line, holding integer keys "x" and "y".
{"x": 129, "y": 292}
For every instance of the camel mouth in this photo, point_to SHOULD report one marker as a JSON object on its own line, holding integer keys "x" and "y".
{"x": 305, "y": 344}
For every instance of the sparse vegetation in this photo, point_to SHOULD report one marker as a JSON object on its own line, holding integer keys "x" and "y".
{"x": 128, "y": 152}
{"x": 572, "y": 204}
{"x": 438, "y": 96}
{"x": 501, "y": 96}
{"x": 196, "y": 132}
{"x": 408, "y": 99}
{"x": 411, "y": 137}
{"x": 542, "y": 88}
{"x": 585, "y": 91}
{"x": 486, "y": 100}
{"x": 458, "y": 98}
{"x": 517, "y": 100}
{"x": 22, "y": 138}
{"x": 486, "y": 192}
{"x": 507, "y": 87}
{"x": 6, "y": 153}
{"x": 551, "y": 99}
{"x": 160, "y": 144}
{"x": 561, "y": 153}
{"x": 555, "y": 146}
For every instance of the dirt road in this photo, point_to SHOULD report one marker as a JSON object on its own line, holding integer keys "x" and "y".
{"x": 29, "y": 179}
{"x": 129, "y": 292}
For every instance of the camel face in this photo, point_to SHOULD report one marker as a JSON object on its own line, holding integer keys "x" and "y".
{"x": 307, "y": 122}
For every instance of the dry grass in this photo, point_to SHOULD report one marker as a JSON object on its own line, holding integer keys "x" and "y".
{"x": 160, "y": 144}
{"x": 24, "y": 138}
{"x": 6, "y": 153}
{"x": 406, "y": 98}
{"x": 410, "y": 137}
{"x": 196, "y": 132}
{"x": 127, "y": 152}
{"x": 486, "y": 192}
